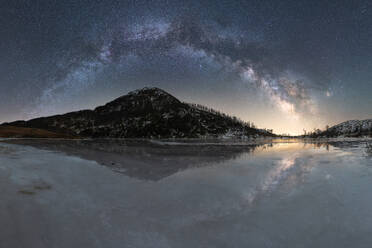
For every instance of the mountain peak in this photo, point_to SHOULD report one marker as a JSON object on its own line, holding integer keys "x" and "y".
{"x": 146, "y": 94}
{"x": 139, "y": 101}
{"x": 149, "y": 90}
{"x": 144, "y": 113}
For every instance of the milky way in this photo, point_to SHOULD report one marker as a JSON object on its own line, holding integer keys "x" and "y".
{"x": 300, "y": 62}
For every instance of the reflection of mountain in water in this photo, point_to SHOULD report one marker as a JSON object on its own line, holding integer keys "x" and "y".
{"x": 344, "y": 145}
{"x": 369, "y": 149}
{"x": 155, "y": 160}
{"x": 144, "y": 159}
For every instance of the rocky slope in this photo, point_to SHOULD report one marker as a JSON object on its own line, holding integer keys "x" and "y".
{"x": 22, "y": 132}
{"x": 145, "y": 113}
{"x": 351, "y": 128}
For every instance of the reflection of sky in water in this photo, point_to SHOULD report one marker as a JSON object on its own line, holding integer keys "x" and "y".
{"x": 279, "y": 195}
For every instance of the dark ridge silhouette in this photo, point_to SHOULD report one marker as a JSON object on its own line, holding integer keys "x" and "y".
{"x": 145, "y": 113}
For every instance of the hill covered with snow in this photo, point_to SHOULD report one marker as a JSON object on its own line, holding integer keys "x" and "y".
{"x": 352, "y": 128}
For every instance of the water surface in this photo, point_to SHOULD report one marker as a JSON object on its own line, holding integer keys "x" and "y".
{"x": 146, "y": 194}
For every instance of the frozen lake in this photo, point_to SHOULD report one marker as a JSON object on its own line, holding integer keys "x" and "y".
{"x": 159, "y": 194}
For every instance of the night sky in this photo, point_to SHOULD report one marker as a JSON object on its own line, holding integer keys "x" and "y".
{"x": 286, "y": 65}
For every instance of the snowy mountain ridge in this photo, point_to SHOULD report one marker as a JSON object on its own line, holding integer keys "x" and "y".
{"x": 349, "y": 128}
{"x": 353, "y": 126}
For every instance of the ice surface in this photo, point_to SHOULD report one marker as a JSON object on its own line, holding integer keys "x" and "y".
{"x": 56, "y": 194}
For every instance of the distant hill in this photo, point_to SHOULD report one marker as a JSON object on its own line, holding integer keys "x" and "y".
{"x": 144, "y": 113}
{"x": 351, "y": 128}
